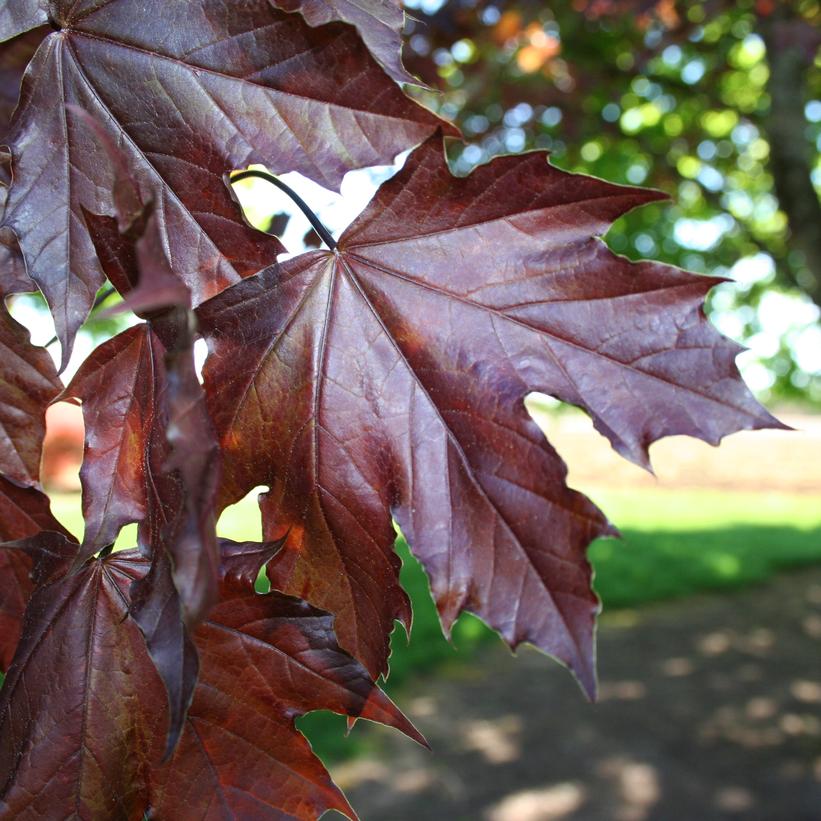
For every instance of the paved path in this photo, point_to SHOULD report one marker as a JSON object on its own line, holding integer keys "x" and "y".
{"x": 710, "y": 709}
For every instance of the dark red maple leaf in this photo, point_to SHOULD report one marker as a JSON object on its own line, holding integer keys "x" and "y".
{"x": 117, "y": 385}
{"x": 150, "y": 457}
{"x": 28, "y": 382}
{"x": 225, "y": 85}
{"x": 276, "y": 657}
{"x": 151, "y": 454}
{"x": 379, "y": 23}
{"x": 92, "y": 747}
{"x": 82, "y": 747}
{"x": 20, "y": 16}
{"x": 387, "y": 379}
{"x": 15, "y": 55}
{"x": 23, "y": 512}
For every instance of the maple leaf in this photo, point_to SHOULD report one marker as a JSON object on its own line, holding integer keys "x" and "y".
{"x": 388, "y": 378}
{"x": 150, "y": 458}
{"x": 24, "y": 511}
{"x": 15, "y": 55}
{"x": 20, "y": 16}
{"x": 276, "y": 657}
{"x": 93, "y": 747}
{"x": 226, "y": 85}
{"x": 379, "y": 23}
{"x": 117, "y": 385}
{"x": 151, "y": 454}
{"x": 28, "y": 381}
{"x": 180, "y": 525}
{"x": 81, "y": 748}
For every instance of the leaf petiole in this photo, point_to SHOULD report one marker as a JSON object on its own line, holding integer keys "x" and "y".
{"x": 323, "y": 232}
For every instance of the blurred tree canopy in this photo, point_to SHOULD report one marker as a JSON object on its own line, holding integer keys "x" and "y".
{"x": 716, "y": 103}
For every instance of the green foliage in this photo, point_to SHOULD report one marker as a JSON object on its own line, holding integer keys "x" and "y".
{"x": 674, "y": 104}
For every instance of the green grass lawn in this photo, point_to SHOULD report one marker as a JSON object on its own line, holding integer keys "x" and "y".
{"x": 674, "y": 543}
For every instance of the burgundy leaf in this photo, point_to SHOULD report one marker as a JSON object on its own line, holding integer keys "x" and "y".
{"x": 179, "y": 530}
{"x": 150, "y": 458}
{"x": 226, "y": 85}
{"x": 81, "y": 746}
{"x": 15, "y": 590}
{"x": 14, "y": 57}
{"x": 19, "y": 16}
{"x": 23, "y": 512}
{"x": 266, "y": 660}
{"x": 28, "y": 382}
{"x": 170, "y": 471}
{"x": 388, "y": 380}
{"x": 191, "y": 459}
{"x": 116, "y": 252}
{"x": 118, "y": 386}
{"x": 157, "y": 610}
{"x": 13, "y": 276}
{"x": 379, "y": 23}
{"x": 158, "y": 287}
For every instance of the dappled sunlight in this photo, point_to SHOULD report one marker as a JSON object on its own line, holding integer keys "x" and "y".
{"x": 707, "y": 709}
{"x": 734, "y": 799}
{"x": 557, "y": 801}
{"x": 807, "y": 692}
{"x": 498, "y": 741}
{"x": 636, "y": 785}
{"x": 622, "y": 691}
{"x": 677, "y": 667}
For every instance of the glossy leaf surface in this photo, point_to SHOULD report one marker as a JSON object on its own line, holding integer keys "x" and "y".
{"x": 14, "y": 57}
{"x": 118, "y": 386}
{"x": 91, "y": 748}
{"x": 28, "y": 382}
{"x": 20, "y": 16}
{"x": 23, "y": 512}
{"x": 389, "y": 380}
{"x": 141, "y": 401}
{"x": 223, "y": 85}
{"x": 276, "y": 657}
{"x": 83, "y": 747}
{"x": 379, "y": 23}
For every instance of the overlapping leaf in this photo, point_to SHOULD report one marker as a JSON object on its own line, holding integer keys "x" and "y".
{"x": 151, "y": 457}
{"x": 15, "y": 55}
{"x": 23, "y": 512}
{"x": 379, "y": 23}
{"x": 28, "y": 382}
{"x": 91, "y": 747}
{"x": 83, "y": 746}
{"x": 20, "y": 16}
{"x": 266, "y": 660}
{"x": 388, "y": 380}
{"x": 117, "y": 385}
{"x": 222, "y": 85}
